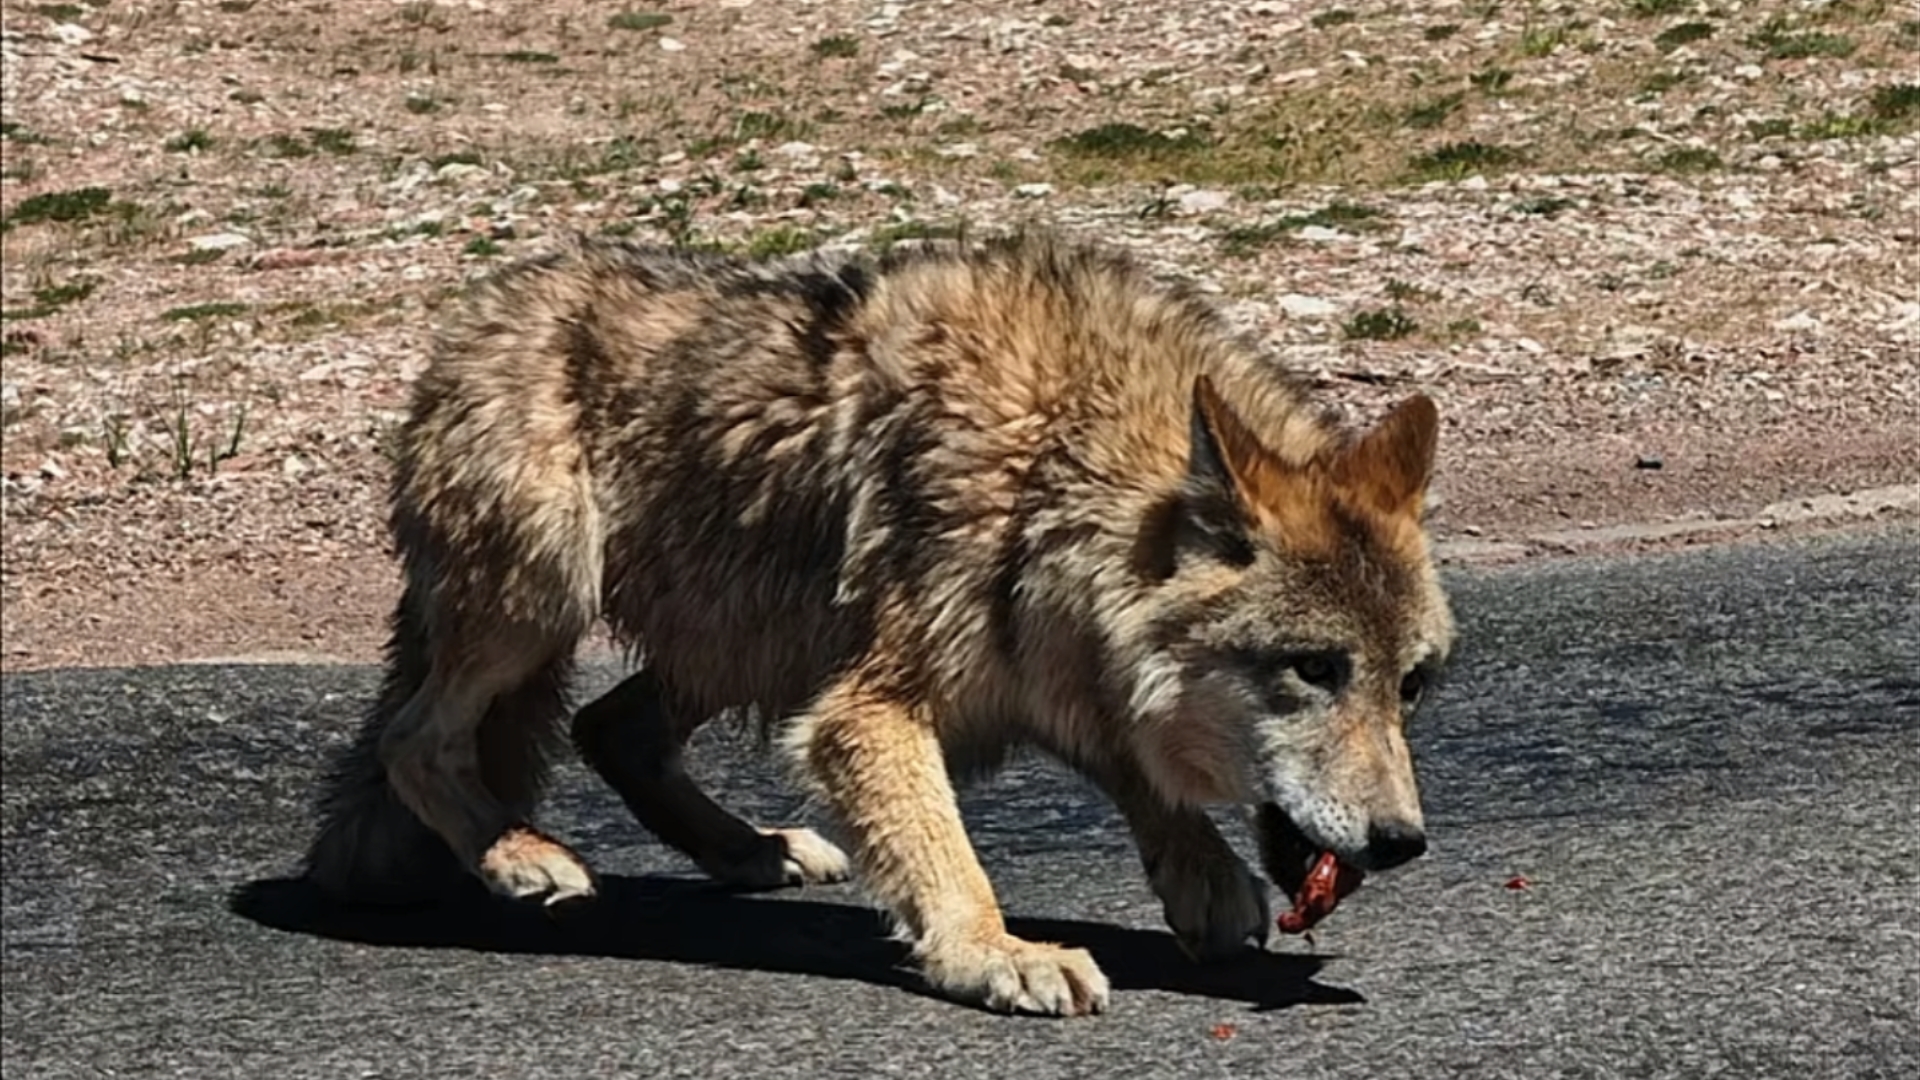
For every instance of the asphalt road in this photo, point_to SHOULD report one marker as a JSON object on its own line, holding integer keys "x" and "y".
{"x": 1707, "y": 766}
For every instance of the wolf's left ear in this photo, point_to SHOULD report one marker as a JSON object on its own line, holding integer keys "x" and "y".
{"x": 1390, "y": 467}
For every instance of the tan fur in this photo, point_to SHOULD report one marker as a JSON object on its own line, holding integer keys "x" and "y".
{"x": 913, "y": 512}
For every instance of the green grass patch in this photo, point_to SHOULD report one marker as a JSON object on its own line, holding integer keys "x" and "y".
{"x": 482, "y": 247}
{"x": 1389, "y": 323}
{"x": 1896, "y": 105}
{"x": 1838, "y": 126}
{"x": 1490, "y": 80}
{"x": 886, "y": 236}
{"x": 1689, "y": 160}
{"x": 638, "y": 20}
{"x": 1685, "y": 33}
{"x": 337, "y": 141}
{"x": 1130, "y": 142}
{"x": 1778, "y": 42}
{"x": 1441, "y": 32}
{"x": 1331, "y": 18}
{"x": 60, "y": 12}
{"x": 780, "y": 240}
{"x": 529, "y": 56}
{"x": 1459, "y": 160}
{"x": 837, "y": 47}
{"x": 59, "y": 296}
{"x": 51, "y": 298}
{"x": 219, "y": 309}
{"x": 15, "y": 132}
{"x": 78, "y": 204}
{"x": 1433, "y": 113}
{"x": 1543, "y": 205}
{"x": 1243, "y": 240}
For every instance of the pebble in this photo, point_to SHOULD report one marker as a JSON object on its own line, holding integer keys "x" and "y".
{"x": 1033, "y": 191}
{"x": 668, "y": 44}
{"x": 72, "y": 33}
{"x": 222, "y": 241}
{"x": 1205, "y": 201}
{"x": 1798, "y": 322}
{"x": 1648, "y": 461}
{"x": 1301, "y": 306}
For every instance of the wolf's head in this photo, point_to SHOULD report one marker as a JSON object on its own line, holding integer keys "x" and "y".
{"x": 1298, "y": 624}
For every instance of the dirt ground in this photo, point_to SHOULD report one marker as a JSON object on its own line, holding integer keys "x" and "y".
{"x": 1658, "y": 260}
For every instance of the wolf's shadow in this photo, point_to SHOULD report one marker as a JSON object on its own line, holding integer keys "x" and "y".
{"x": 688, "y": 921}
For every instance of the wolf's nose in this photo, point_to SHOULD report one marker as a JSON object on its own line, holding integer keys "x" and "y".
{"x": 1393, "y": 843}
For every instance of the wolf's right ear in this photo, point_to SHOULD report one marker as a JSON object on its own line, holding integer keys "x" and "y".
{"x": 1213, "y": 514}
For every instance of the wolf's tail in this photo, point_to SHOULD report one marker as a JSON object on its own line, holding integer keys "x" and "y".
{"x": 370, "y": 847}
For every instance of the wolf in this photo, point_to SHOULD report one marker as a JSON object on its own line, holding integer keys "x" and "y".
{"x": 911, "y": 511}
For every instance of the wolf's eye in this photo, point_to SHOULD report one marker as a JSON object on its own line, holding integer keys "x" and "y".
{"x": 1413, "y": 687}
{"x": 1319, "y": 670}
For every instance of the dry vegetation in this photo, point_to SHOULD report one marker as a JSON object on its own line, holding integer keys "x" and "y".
{"x": 1601, "y": 233}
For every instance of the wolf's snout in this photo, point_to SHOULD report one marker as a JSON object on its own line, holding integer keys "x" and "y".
{"x": 1391, "y": 844}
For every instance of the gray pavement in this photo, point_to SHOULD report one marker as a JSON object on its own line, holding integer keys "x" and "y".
{"x": 1707, "y": 765}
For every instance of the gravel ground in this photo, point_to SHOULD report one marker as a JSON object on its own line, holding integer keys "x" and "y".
{"x": 1657, "y": 260}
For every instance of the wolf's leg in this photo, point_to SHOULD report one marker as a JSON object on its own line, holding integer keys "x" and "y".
{"x": 634, "y": 738}
{"x": 466, "y": 754}
{"x": 879, "y": 767}
{"x": 1213, "y": 903}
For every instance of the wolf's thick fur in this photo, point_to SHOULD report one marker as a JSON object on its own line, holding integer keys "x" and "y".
{"x": 914, "y": 511}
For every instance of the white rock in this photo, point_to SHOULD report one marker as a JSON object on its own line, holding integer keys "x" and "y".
{"x": 1301, "y": 306}
{"x": 223, "y": 241}
{"x": 1033, "y": 191}
{"x": 9, "y": 394}
{"x": 1798, "y": 322}
{"x": 1749, "y": 71}
{"x": 796, "y": 150}
{"x": 51, "y": 470}
{"x": 292, "y": 465}
{"x": 455, "y": 172}
{"x": 958, "y": 150}
{"x": 674, "y": 158}
{"x": 668, "y": 44}
{"x": 72, "y": 33}
{"x": 1204, "y": 201}
{"x": 1320, "y": 234}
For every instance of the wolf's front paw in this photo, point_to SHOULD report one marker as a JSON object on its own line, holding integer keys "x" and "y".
{"x": 526, "y": 864}
{"x": 1006, "y": 974}
{"x": 782, "y": 857}
{"x": 1214, "y": 904}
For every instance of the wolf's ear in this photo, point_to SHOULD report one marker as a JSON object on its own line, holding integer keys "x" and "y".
{"x": 1224, "y": 460}
{"x": 1390, "y": 467}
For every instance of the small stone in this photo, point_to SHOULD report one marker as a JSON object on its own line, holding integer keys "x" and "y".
{"x": 292, "y": 465}
{"x": 1301, "y": 306}
{"x": 9, "y": 394}
{"x": 51, "y": 470}
{"x": 958, "y": 150}
{"x": 1320, "y": 234}
{"x": 1204, "y": 201}
{"x": 72, "y": 33}
{"x": 1033, "y": 191}
{"x": 455, "y": 172}
{"x": 796, "y": 150}
{"x": 1798, "y": 323}
{"x": 668, "y": 44}
{"x": 674, "y": 158}
{"x": 1648, "y": 461}
{"x": 225, "y": 241}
